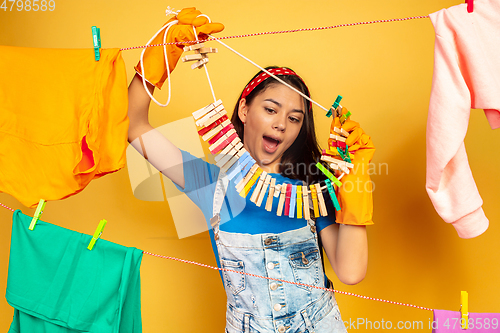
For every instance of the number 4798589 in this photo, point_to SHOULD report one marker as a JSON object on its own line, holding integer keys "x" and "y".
{"x": 28, "y": 5}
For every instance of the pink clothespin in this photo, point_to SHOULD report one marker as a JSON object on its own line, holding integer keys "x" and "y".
{"x": 470, "y": 5}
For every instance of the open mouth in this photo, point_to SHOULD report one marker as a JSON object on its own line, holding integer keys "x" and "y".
{"x": 270, "y": 144}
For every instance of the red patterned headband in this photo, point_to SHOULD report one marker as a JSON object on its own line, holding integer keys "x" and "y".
{"x": 263, "y": 76}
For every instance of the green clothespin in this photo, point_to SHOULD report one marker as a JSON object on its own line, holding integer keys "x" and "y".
{"x": 337, "y": 102}
{"x": 332, "y": 194}
{"x": 334, "y": 107}
{"x": 341, "y": 152}
{"x": 38, "y": 213}
{"x": 344, "y": 117}
{"x": 328, "y": 174}
{"x": 96, "y": 35}
{"x": 97, "y": 234}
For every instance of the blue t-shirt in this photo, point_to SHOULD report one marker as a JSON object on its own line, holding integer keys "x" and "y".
{"x": 238, "y": 214}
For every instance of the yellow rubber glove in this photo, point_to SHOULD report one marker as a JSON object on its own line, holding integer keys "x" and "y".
{"x": 355, "y": 194}
{"x": 154, "y": 59}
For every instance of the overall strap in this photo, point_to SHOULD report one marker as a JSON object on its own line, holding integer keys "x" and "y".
{"x": 219, "y": 197}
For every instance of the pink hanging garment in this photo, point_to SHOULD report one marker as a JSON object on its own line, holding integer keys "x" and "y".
{"x": 449, "y": 322}
{"x": 466, "y": 75}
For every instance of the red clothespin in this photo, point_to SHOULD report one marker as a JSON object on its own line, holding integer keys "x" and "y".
{"x": 470, "y": 5}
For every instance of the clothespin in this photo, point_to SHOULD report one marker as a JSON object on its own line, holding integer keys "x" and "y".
{"x": 337, "y": 137}
{"x": 464, "y": 310}
{"x": 236, "y": 168}
{"x": 228, "y": 152}
{"x": 38, "y": 213}
{"x": 252, "y": 181}
{"x": 334, "y": 107}
{"x": 256, "y": 192}
{"x": 299, "y": 202}
{"x": 97, "y": 234}
{"x": 293, "y": 197}
{"x": 344, "y": 117}
{"x": 96, "y": 35}
{"x": 321, "y": 200}
{"x": 264, "y": 190}
{"x": 204, "y": 110}
{"x": 200, "y": 54}
{"x": 332, "y": 194}
{"x": 288, "y": 196}
{"x": 470, "y": 5}
{"x": 234, "y": 159}
{"x": 305, "y": 200}
{"x": 314, "y": 197}
{"x": 281, "y": 202}
{"x": 244, "y": 173}
{"x": 270, "y": 196}
{"x": 328, "y": 174}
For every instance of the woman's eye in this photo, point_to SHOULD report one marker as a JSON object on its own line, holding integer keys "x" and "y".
{"x": 295, "y": 120}
{"x": 270, "y": 110}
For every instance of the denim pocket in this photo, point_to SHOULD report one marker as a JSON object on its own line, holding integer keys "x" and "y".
{"x": 306, "y": 267}
{"x": 233, "y": 280}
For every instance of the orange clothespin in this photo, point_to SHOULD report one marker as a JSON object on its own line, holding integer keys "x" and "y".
{"x": 38, "y": 213}
{"x": 464, "y": 310}
{"x": 470, "y": 5}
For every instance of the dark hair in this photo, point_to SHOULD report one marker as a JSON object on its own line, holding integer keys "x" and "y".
{"x": 298, "y": 161}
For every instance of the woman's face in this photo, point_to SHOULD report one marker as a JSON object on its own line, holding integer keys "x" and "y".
{"x": 272, "y": 123}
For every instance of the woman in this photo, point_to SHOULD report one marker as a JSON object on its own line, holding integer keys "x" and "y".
{"x": 276, "y": 127}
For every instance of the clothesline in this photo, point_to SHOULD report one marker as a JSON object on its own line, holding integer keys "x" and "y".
{"x": 273, "y": 279}
{"x": 280, "y": 32}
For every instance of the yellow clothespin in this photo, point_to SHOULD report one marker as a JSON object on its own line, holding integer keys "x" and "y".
{"x": 314, "y": 197}
{"x": 251, "y": 182}
{"x": 299, "y": 202}
{"x": 97, "y": 234}
{"x": 464, "y": 310}
{"x": 38, "y": 213}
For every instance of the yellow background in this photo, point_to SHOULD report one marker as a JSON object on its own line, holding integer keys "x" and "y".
{"x": 384, "y": 72}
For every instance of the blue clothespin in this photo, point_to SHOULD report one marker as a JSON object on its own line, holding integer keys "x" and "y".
{"x": 97, "y": 234}
{"x": 96, "y": 35}
{"x": 38, "y": 213}
{"x": 236, "y": 167}
{"x": 293, "y": 198}
{"x": 332, "y": 194}
{"x": 245, "y": 170}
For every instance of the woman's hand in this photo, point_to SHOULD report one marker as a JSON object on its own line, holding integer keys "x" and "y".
{"x": 154, "y": 58}
{"x": 355, "y": 194}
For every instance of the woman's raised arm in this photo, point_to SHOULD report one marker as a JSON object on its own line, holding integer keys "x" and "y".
{"x": 155, "y": 147}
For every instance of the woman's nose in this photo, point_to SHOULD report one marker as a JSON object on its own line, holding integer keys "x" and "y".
{"x": 280, "y": 124}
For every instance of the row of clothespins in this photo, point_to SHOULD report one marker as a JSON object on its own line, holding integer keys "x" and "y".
{"x": 225, "y": 143}
{"x": 39, "y": 212}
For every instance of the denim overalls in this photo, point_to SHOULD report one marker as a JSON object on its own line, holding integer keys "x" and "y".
{"x": 256, "y": 305}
